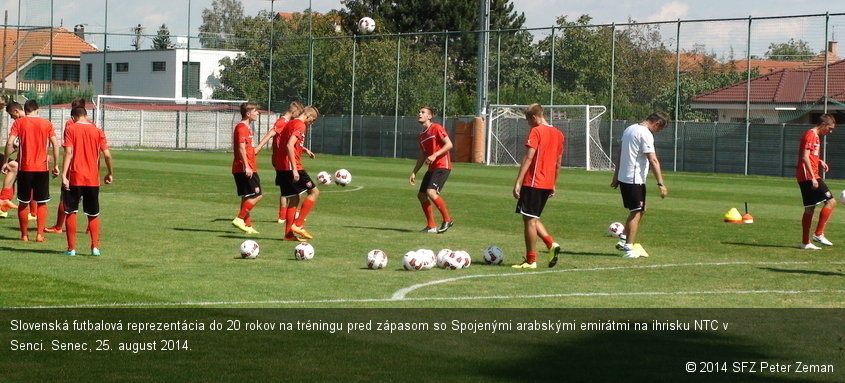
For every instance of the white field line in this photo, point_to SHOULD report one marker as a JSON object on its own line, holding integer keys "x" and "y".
{"x": 401, "y": 297}
{"x": 322, "y": 190}
{"x": 401, "y": 293}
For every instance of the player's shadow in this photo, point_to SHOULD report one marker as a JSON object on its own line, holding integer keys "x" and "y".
{"x": 199, "y": 230}
{"x": 588, "y": 254}
{"x": 808, "y": 272}
{"x": 382, "y": 228}
{"x": 20, "y": 251}
{"x": 759, "y": 245}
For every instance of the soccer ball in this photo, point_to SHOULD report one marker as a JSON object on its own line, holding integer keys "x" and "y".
{"x": 842, "y": 197}
{"x": 342, "y": 177}
{"x": 493, "y": 255}
{"x": 464, "y": 257}
{"x": 615, "y": 229}
{"x": 366, "y": 25}
{"x": 441, "y": 257}
{"x": 453, "y": 261}
{"x": 324, "y": 177}
{"x": 376, "y": 259}
{"x": 428, "y": 258}
{"x": 249, "y": 249}
{"x": 412, "y": 261}
{"x": 303, "y": 251}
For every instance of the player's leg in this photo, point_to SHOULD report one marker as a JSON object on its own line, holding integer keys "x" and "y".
{"x": 529, "y": 230}
{"x": 548, "y": 240}
{"x": 41, "y": 195}
{"x": 247, "y": 194}
{"x": 71, "y": 207}
{"x": 24, "y": 197}
{"x": 425, "y": 204}
{"x": 306, "y": 184}
{"x": 283, "y": 209}
{"x": 435, "y": 187}
{"x": 824, "y": 214}
{"x": 290, "y": 217}
{"x": 91, "y": 206}
{"x": 60, "y": 214}
{"x": 810, "y": 199}
{"x": 8, "y": 191}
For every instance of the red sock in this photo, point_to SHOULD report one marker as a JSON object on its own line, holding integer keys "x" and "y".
{"x": 290, "y": 217}
{"x": 282, "y": 211}
{"x": 23, "y": 219}
{"x": 60, "y": 216}
{"x": 248, "y": 221}
{"x": 824, "y": 215}
{"x": 70, "y": 233}
{"x": 531, "y": 257}
{"x": 6, "y": 193}
{"x": 303, "y": 212}
{"x": 246, "y": 206}
{"x": 94, "y": 228}
{"x": 806, "y": 221}
{"x": 429, "y": 214}
{"x": 548, "y": 240}
{"x": 441, "y": 205}
{"x": 41, "y": 220}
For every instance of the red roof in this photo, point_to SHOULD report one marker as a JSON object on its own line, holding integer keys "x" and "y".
{"x": 786, "y": 86}
{"x": 23, "y": 45}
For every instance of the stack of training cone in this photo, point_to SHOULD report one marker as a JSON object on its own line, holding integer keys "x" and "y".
{"x": 733, "y": 216}
{"x": 747, "y": 218}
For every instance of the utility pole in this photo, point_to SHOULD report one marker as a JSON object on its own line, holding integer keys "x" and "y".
{"x": 137, "y": 42}
{"x": 481, "y": 95}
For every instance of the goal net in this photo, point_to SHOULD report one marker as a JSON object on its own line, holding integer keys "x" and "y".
{"x": 167, "y": 123}
{"x": 507, "y": 131}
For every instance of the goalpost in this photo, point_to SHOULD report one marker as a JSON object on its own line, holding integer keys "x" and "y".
{"x": 507, "y": 130}
{"x": 167, "y": 123}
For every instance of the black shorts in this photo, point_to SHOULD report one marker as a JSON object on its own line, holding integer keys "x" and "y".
{"x": 633, "y": 196}
{"x": 532, "y": 201}
{"x": 434, "y": 179}
{"x": 248, "y": 187}
{"x": 289, "y": 188}
{"x": 34, "y": 186}
{"x": 90, "y": 196}
{"x": 813, "y": 197}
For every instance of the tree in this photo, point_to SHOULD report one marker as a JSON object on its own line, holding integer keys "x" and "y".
{"x": 791, "y": 50}
{"x": 162, "y": 39}
{"x": 220, "y": 23}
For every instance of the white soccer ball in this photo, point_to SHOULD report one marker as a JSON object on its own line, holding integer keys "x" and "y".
{"x": 493, "y": 255}
{"x": 440, "y": 258}
{"x": 842, "y": 197}
{"x": 464, "y": 257}
{"x": 342, "y": 177}
{"x": 412, "y": 261}
{"x": 428, "y": 257}
{"x": 249, "y": 249}
{"x": 366, "y": 25}
{"x": 376, "y": 259}
{"x": 303, "y": 251}
{"x": 615, "y": 229}
{"x": 324, "y": 178}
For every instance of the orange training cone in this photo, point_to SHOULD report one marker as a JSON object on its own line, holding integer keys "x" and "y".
{"x": 747, "y": 218}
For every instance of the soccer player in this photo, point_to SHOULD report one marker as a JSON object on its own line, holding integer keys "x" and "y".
{"x": 434, "y": 151}
{"x": 813, "y": 189}
{"x": 60, "y": 210}
{"x": 293, "y": 180}
{"x": 10, "y": 169}
{"x": 83, "y": 143}
{"x": 637, "y": 154}
{"x": 278, "y": 157}
{"x": 35, "y": 134}
{"x": 244, "y": 168}
{"x": 535, "y": 183}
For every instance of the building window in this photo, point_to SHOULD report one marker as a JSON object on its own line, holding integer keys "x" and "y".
{"x": 159, "y": 66}
{"x": 191, "y": 79}
{"x": 121, "y": 67}
{"x": 89, "y": 69}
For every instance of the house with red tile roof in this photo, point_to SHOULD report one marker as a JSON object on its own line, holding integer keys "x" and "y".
{"x": 793, "y": 95}
{"x": 27, "y": 55}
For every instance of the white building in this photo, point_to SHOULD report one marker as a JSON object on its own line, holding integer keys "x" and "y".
{"x": 155, "y": 72}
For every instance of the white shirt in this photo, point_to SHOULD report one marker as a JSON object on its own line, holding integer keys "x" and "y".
{"x": 637, "y": 141}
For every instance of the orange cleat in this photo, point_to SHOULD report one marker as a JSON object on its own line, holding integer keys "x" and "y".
{"x": 54, "y": 230}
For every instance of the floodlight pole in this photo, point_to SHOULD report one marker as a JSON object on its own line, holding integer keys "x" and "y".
{"x": 481, "y": 72}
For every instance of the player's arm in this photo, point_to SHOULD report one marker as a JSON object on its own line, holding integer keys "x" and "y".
{"x": 66, "y": 167}
{"x": 614, "y": 183}
{"x": 658, "y": 173}
{"x": 420, "y": 161}
{"x": 308, "y": 152}
{"x": 557, "y": 172}
{"x": 291, "y": 146}
{"x": 242, "y": 151}
{"x": 265, "y": 139}
{"x": 10, "y": 148}
{"x": 447, "y": 146}
{"x": 808, "y": 167}
{"x": 523, "y": 169}
{"x": 55, "y": 144}
{"x": 109, "y": 178}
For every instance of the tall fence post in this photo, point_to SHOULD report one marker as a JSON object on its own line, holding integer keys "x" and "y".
{"x": 445, "y": 73}
{"x": 747, "y": 93}
{"x": 677, "y": 91}
{"x": 396, "y": 110}
{"x": 612, "y": 86}
{"x": 352, "y": 97}
{"x": 552, "y": 72}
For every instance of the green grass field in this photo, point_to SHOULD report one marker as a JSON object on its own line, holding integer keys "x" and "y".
{"x": 167, "y": 241}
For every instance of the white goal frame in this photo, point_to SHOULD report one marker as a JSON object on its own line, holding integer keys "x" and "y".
{"x": 500, "y": 150}
{"x": 137, "y": 131}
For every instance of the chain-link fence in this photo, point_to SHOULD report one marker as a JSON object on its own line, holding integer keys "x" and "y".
{"x": 739, "y": 91}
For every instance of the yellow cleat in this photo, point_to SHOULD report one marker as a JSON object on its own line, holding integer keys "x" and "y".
{"x": 4, "y": 214}
{"x": 525, "y": 265}
{"x": 240, "y": 224}
{"x": 300, "y": 231}
{"x": 554, "y": 253}
{"x": 32, "y": 217}
{"x": 639, "y": 250}
{"x": 251, "y": 230}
